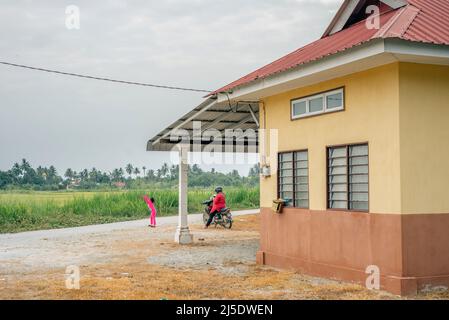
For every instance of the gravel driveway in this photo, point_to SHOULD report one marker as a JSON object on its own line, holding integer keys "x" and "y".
{"x": 50, "y": 249}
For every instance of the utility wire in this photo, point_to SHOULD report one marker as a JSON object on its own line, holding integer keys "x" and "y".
{"x": 103, "y": 79}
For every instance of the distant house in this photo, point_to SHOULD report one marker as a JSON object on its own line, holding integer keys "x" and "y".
{"x": 74, "y": 184}
{"x": 362, "y": 119}
{"x": 119, "y": 185}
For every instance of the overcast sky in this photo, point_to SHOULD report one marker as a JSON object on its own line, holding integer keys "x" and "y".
{"x": 77, "y": 123}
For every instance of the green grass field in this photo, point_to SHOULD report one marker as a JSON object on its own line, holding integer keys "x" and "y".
{"x": 25, "y": 211}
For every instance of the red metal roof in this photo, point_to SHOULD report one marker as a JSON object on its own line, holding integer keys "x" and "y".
{"x": 419, "y": 21}
{"x": 431, "y": 24}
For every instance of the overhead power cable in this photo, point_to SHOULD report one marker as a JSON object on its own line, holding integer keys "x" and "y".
{"x": 103, "y": 79}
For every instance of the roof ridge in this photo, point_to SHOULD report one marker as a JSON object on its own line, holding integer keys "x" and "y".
{"x": 399, "y": 24}
{"x": 318, "y": 40}
{"x": 415, "y": 13}
{"x": 362, "y": 21}
{"x": 382, "y": 31}
{"x": 329, "y": 36}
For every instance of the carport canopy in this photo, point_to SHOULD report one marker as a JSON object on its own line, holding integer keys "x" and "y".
{"x": 212, "y": 122}
{"x": 229, "y": 126}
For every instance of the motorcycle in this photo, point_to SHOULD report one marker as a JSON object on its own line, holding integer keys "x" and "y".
{"x": 223, "y": 218}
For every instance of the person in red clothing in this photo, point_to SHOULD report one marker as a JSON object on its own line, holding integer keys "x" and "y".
{"x": 219, "y": 204}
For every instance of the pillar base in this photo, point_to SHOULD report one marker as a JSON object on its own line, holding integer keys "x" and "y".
{"x": 183, "y": 236}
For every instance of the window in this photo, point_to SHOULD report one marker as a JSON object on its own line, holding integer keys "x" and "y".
{"x": 334, "y": 100}
{"x": 300, "y": 108}
{"x": 316, "y": 105}
{"x": 348, "y": 177}
{"x": 293, "y": 184}
{"x": 321, "y": 103}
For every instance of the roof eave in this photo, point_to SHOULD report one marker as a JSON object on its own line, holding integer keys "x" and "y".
{"x": 263, "y": 87}
{"x": 365, "y": 56}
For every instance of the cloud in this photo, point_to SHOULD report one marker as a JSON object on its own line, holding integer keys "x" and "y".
{"x": 194, "y": 43}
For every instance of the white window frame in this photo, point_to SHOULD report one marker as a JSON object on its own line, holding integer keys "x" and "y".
{"x": 330, "y": 93}
{"x": 293, "y": 108}
{"x": 325, "y": 108}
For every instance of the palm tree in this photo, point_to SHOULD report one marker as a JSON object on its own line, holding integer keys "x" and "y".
{"x": 52, "y": 172}
{"x": 69, "y": 173}
{"x": 151, "y": 175}
{"x": 120, "y": 171}
{"x": 28, "y": 173}
{"x": 174, "y": 172}
{"x": 164, "y": 170}
{"x": 16, "y": 172}
{"x": 84, "y": 175}
{"x": 42, "y": 173}
{"x": 144, "y": 171}
{"x": 129, "y": 169}
{"x": 115, "y": 175}
{"x": 25, "y": 165}
{"x": 93, "y": 175}
{"x": 136, "y": 171}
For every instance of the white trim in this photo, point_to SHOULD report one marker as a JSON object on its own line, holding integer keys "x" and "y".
{"x": 342, "y": 17}
{"x": 325, "y": 109}
{"x": 414, "y": 49}
{"x": 348, "y": 8}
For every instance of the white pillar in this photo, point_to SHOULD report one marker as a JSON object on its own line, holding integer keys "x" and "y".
{"x": 183, "y": 235}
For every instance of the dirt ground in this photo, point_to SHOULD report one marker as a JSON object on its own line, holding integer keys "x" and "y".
{"x": 142, "y": 263}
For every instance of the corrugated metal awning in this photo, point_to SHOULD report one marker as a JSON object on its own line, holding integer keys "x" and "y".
{"x": 210, "y": 124}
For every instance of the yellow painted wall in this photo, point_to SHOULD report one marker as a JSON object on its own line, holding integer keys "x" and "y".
{"x": 424, "y": 137}
{"x": 371, "y": 115}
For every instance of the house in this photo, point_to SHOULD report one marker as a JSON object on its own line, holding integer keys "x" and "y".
{"x": 361, "y": 153}
{"x": 73, "y": 183}
{"x": 119, "y": 184}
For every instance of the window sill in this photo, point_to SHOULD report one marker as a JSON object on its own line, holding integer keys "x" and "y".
{"x": 349, "y": 211}
{"x": 316, "y": 114}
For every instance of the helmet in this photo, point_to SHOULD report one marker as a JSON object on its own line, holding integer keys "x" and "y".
{"x": 218, "y": 189}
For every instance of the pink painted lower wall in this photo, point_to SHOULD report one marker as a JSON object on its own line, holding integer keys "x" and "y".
{"x": 412, "y": 252}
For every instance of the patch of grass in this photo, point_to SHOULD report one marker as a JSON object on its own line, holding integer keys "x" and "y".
{"x": 49, "y": 210}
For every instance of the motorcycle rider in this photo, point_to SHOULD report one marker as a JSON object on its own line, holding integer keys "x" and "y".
{"x": 218, "y": 205}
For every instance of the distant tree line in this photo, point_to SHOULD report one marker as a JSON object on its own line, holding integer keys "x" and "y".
{"x": 24, "y": 176}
